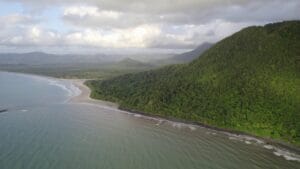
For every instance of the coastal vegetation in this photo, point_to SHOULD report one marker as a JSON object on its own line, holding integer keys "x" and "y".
{"x": 249, "y": 82}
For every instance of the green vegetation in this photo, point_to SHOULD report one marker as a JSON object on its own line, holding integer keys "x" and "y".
{"x": 249, "y": 81}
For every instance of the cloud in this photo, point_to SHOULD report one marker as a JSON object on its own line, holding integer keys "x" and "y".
{"x": 91, "y": 16}
{"x": 139, "y": 36}
{"x": 256, "y": 11}
{"x": 89, "y": 11}
{"x": 32, "y": 36}
{"x": 190, "y": 36}
{"x": 16, "y": 19}
{"x": 136, "y": 6}
{"x": 182, "y": 10}
{"x": 118, "y": 38}
{"x": 138, "y": 23}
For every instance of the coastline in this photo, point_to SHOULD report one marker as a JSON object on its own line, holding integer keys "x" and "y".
{"x": 276, "y": 145}
{"x": 84, "y": 96}
{"x": 278, "y": 148}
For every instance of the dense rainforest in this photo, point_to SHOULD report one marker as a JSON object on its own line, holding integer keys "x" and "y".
{"x": 249, "y": 82}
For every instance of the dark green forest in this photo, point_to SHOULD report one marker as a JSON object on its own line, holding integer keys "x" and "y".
{"x": 249, "y": 82}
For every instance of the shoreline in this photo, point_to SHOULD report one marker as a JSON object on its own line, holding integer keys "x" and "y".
{"x": 84, "y": 97}
{"x": 285, "y": 150}
{"x": 266, "y": 141}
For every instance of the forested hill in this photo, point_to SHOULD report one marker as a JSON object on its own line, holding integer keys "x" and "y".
{"x": 249, "y": 81}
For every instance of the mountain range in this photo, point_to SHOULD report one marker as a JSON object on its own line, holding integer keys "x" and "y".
{"x": 41, "y": 58}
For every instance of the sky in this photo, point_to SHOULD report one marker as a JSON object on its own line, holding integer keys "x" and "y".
{"x": 104, "y": 26}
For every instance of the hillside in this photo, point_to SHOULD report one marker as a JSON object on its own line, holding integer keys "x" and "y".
{"x": 189, "y": 56}
{"x": 129, "y": 63}
{"x": 248, "y": 82}
{"x": 183, "y": 57}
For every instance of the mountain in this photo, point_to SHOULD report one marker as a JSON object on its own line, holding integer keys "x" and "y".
{"x": 184, "y": 57}
{"x": 61, "y": 66}
{"x": 189, "y": 56}
{"x": 129, "y": 63}
{"x": 40, "y": 58}
{"x": 247, "y": 82}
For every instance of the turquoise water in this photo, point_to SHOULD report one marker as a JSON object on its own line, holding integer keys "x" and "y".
{"x": 43, "y": 130}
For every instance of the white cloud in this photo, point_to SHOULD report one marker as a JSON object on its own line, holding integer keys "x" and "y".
{"x": 138, "y": 23}
{"x": 32, "y": 36}
{"x": 90, "y": 17}
{"x": 16, "y": 19}
{"x": 92, "y": 11}
{"x": 34, "y": 33}
{"x": 139, "y": 36}
{"x": 190, "y": 36}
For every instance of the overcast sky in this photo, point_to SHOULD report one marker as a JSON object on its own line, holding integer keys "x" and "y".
{"x": 108, "y": 25}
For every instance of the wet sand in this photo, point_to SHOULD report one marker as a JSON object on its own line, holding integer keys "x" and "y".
{"x": 84, "y": 96}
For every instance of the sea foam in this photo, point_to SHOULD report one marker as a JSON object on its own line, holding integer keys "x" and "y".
{"x": 286, "y": 154}
{"x": 281, "y": 152}
{"x": 71, "y": 89}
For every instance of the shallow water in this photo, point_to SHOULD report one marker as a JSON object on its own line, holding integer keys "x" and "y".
{"x": 42, "y": 130}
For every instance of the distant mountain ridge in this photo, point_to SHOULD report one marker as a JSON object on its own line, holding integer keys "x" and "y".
{"x": 71, "y": 66}
{"x": 40, "y": 58}
{"x": 129, "y": 63}
{"x": 184, "y": 57}
{"x": 247, "y": 82}
{"x": 189, "y": 56}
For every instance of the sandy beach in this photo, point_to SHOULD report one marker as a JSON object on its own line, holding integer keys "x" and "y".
{"x": 84, "y": 96}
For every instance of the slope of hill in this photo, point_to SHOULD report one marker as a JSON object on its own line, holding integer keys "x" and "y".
{"x": 189, "y": 56}
{"x": 248, "y": 82}
{"x": 184, "y": 57}
{"x": 129, "y": 63}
